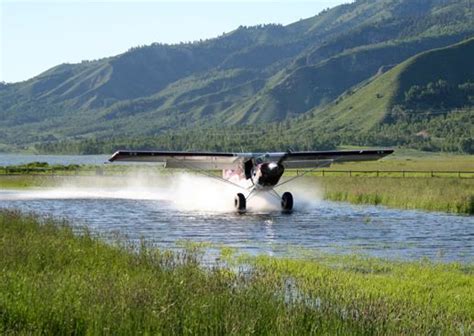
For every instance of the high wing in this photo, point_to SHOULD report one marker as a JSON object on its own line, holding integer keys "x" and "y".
{"x": 191, "y": 160}
{"x": 317, "y": 159}
{"x": 226, "y": 160}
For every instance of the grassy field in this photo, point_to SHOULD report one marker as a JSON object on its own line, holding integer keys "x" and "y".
{"x": 409, "y": 160}
{"x": 382, "y": 297}
{"x": 54, "y": 281}
{"x": 44, "y": 169}
{"x": 435, "y": 194}
{"x": 26, "y": 181}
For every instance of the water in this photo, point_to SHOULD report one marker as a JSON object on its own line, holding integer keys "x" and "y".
{"x": 17, "y": 159}
{"x": 189, "y": 208}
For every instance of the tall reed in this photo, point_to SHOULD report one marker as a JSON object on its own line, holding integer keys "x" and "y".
{"x": 436, "y": 194}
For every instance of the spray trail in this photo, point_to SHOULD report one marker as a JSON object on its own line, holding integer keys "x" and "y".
{"x": 183, "y": 191}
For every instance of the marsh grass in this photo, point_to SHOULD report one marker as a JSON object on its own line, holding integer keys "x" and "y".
{"x": 384, "y": 297}
{"x": 413, "y": 161}
{"x": 55, "y": 281}
{"x": 435, "y": 194}
{"x": 44, "y": 169}
{"x": 26, "y": 181}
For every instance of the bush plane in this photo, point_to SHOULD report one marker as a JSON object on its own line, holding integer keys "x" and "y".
{"x": 252, "y": 172}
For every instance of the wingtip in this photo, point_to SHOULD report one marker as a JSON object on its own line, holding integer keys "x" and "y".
{"x": 113, "y": 157}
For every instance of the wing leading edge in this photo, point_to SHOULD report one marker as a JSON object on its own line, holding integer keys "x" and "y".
{"x": 318, "y": 159}
{"x": 193, "y": 160}
{"x": 226, "y": 160}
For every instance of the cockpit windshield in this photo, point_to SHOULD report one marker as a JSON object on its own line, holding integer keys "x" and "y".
{"x": 262, "y": 158}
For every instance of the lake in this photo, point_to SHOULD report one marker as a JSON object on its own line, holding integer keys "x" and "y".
{"x": 165, "y": 211}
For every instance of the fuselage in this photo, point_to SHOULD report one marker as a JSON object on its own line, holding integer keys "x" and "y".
{"x": 262, "y": 174}
{"x": 267, "y": 175}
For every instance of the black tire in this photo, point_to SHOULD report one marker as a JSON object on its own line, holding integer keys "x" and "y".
{"x": 287, "y": 202}
{"x": 240, "y": 202}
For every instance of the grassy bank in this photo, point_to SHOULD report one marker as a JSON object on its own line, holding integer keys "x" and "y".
{"x": 56, "y": 282}
{"x": 383, "y": 297}
{"x": 26, "y": 181}
{"x": 405, "y": 159}
{"x": 435, "y": 194}
{"x": 45, "y": 169}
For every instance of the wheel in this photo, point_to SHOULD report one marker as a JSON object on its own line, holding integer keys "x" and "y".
{"x": 240, "y": 202}
{"x": 287, "y": 202}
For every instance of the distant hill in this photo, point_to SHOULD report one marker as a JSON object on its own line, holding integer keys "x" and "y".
{"x": 429, "y": 96}
{"x": 318, "y": 74}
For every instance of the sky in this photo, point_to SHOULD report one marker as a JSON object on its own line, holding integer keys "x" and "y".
{"x": 36, "y": 35}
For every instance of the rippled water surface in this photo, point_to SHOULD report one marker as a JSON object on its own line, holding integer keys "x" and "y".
{"x": 333, "y": 227}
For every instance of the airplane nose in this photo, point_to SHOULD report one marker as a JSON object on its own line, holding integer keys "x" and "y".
{"x": 269, "y": 174}
{"x": 272, "y": 165}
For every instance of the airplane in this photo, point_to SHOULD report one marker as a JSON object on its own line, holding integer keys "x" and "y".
{"x": 252, "y": 172}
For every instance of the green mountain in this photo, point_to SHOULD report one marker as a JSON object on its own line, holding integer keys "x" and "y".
{"x": 304, "y": 72}
{"x": 428, "y": 97}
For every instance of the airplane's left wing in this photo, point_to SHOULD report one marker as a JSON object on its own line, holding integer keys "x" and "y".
{"x": 318, "y": 159}
{"x": 190, "y": 160}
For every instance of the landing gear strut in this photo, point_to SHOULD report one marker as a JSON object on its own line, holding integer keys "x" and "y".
{"x": 240, "y": 203}
{"x": 287, "y": 202}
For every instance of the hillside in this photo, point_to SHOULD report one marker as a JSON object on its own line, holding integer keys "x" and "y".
{"x": 250, "y": 76}
{"x": 428, "y": 97}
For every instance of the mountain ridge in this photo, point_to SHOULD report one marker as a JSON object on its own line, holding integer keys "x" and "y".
{"x": 252, "y": 75}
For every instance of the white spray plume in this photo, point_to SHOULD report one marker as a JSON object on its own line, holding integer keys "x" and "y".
{"x": 184, "y": 191}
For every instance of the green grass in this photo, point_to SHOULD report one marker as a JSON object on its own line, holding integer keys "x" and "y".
{"x": 435, "y": 194}
{"x": 384, "y": 297}
{"x": 26, "y": 181}
{"x": 43, "y": 168}
{"x": 404, "y": 159}
{"x": 54, "y": 281}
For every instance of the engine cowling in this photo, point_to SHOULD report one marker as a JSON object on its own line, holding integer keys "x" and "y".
{"x": 268, "y": 174}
